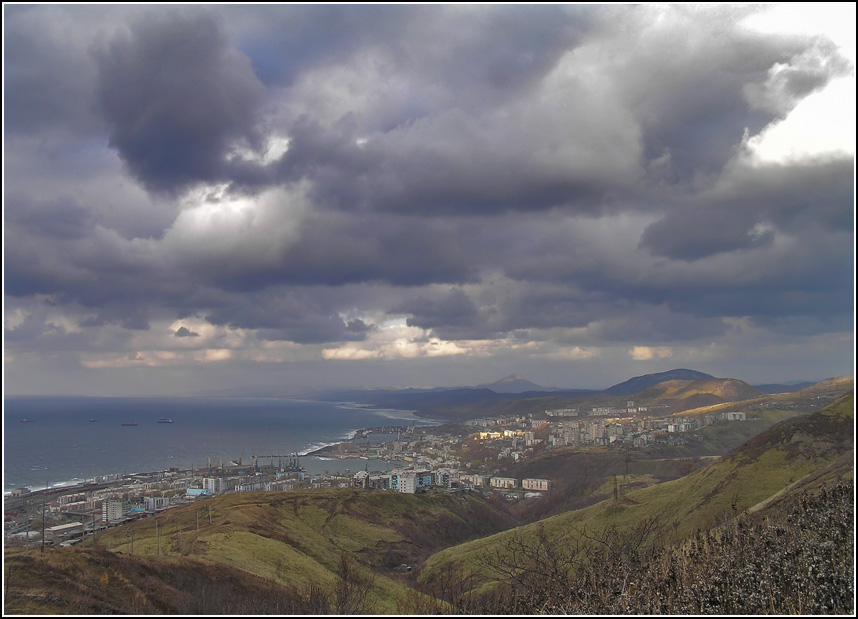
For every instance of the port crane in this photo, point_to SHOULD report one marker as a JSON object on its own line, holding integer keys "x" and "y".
{"x": 292, "y": 460}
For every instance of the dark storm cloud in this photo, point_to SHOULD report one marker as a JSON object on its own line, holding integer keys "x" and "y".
{"x": 294, "y": 315}
{"x": 358, "y": 326}
{"x": 697, "y": 233}
{"x": 745, "y": 212}
{"x": 454, "y": 314}
{"x": 802, "y": 271}
{"x": 796, "y": 196}
{"x": 519, "y": 310}
{"x": 436, "y": 136}
{"x": 687, "y": 77}
{"x": 579, "y": 175}
{"x": 494, "y": 311}
{"x": 672, "y": 106}
{"x": 185, "y": 332}
{"x": 336, "y": 250}
{"x": 91, "y": 271}
{"x": 176, "y": 95}
{"x": 455, "y": 164}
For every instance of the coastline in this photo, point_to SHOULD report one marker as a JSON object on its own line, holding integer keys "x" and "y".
{"x": 318, "y": 451}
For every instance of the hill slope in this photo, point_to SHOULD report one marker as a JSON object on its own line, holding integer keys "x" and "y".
{"x": 758, "y": 470}
{"x": 290, "y": 539}
{"x": 681, "y": 395}
{"x": 639, "y": 383}
{"x": 84, "y": 582}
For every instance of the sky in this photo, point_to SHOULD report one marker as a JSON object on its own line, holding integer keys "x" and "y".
{"x": 273, "y": 198}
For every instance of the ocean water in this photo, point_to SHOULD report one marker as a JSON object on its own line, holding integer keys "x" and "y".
{"x": 60, "y": 445}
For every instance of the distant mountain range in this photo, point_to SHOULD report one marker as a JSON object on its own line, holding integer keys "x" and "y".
{"x": 515, "y": 384}
{"x": 673, "y": 391}
{"x": 784, "y": 387}
{"x": 512, "y": 385}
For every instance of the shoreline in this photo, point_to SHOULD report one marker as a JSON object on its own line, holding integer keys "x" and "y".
{"x": 317, "y": 450}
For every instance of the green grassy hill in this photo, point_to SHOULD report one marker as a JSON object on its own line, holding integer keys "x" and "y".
{"x": 584, "y": 475}
{"x": 84, "y": 582}
{"x": 781, "y": 457}
{"x": 681, "y": 395}
{"x": 295, "y": 540}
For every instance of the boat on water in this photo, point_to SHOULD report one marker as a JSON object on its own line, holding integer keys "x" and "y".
{"x": 93, "y": 420}
{"x": 26, "y": 421}
{"x": 130, "y": 423}
{"x": 165, "y": 420}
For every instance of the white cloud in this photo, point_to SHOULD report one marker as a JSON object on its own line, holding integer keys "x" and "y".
{"x": 647, "y": 353}
{"x": 398, "y": 342}
{"x": 823, "y": 123}
{"x": 571, "y": 353}
{"x": 274, "y": 149}
{"x": 836, "y": 20}
{"x": 14, "y": 319}
{"x": 253, "y": 230}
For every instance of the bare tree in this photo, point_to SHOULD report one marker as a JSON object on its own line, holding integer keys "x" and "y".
{"x": 351, "y": 593}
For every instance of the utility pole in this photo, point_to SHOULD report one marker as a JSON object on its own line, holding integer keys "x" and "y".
{"x": 27, "y": 518}
{"x": 44, "y": 500}
{"x": 43, "y": 526}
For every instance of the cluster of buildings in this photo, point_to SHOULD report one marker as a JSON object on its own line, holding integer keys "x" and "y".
{"x": 638, "y": 432}
{"x": 96, "y": 506}
{"x": 430, "y": 454}
{"x": 631, "y": 427}
{"x": 410, "y": 481}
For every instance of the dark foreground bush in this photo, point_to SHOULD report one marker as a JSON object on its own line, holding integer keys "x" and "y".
{"x": 797, "y": 558}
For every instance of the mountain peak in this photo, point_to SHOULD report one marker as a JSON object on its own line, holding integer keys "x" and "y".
{"x": 639, "y": 383}
{"x": 514, "y": 383}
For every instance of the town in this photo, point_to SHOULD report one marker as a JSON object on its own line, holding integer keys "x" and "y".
{"x": 463, "y": 457}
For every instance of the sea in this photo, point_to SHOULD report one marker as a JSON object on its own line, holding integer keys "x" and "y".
{"x": 59, "y": 441}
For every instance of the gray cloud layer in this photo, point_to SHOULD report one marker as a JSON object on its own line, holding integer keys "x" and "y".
{"x": 551, "y": 178}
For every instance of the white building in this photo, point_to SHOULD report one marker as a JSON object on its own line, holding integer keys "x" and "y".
{"x": 361, "y": 479}
{"x": 62, "y": 532}
{"x": 443, "y": 477}
{"x": 505, "y": 483}
{"x": 112, "y": 510}
{"x": 408, "y": 483}
{"x": 535, "y": 484}
{"x": 154, "y": 503}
